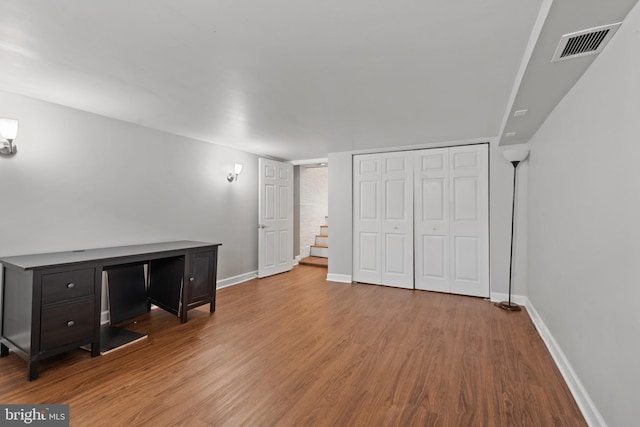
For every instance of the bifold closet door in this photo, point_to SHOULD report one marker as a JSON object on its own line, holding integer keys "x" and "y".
{"x": 432, "y": 219}
{"x": 452, "y": 220}
{"x": 383, "y": 219}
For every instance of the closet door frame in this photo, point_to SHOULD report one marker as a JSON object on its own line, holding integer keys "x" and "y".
{"x": 445, "y": 246}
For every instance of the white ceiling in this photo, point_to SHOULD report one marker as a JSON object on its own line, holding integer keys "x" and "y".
{"x": 293, "y": 79}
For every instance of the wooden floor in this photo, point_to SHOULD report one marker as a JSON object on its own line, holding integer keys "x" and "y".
{"x": 316, "y": 261}
{"x": 295, "y": 350}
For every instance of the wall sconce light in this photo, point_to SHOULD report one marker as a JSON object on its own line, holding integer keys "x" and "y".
{"x": 237, "y": 170}
{"x": 8, "y": 131}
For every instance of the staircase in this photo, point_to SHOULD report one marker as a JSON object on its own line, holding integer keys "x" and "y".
{"x": 319, "y": 251}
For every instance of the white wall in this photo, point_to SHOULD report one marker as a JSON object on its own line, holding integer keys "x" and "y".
{"x": 584, "y": 232}
{"x": 80, "y": 180}
{"x": 500, "y": 191}
{"x": 314, "y": 201}
{"x": 340, "y": 216}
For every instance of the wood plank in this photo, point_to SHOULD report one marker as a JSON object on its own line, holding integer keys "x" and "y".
{"x": 294, "y": 349}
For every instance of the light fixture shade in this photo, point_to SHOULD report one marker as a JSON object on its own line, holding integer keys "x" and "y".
{"x": 238, "y": 168}
{"x": 516, "y": 155}
{"x": 8, "y": 129}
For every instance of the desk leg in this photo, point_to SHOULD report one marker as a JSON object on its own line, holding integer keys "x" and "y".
{"x": 33, "y": 369}
{"x": 95, "y": 349}
{"x": 4, "y": 350}
{"x": 183, "y": 314}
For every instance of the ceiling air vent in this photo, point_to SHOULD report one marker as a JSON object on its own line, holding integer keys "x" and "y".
{"x": 585, "y": 42}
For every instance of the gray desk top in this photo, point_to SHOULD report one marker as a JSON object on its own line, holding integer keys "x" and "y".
{"x": 27, "y": 262}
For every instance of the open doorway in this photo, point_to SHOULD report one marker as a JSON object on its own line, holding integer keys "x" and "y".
{"x": 312, "y": 209}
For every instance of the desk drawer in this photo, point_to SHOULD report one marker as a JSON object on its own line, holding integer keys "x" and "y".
{"x": 66, "y": 323}
{"x": 67, "y": 285}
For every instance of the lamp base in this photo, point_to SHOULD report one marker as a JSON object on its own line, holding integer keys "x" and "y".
{"x": 509, "y": 306}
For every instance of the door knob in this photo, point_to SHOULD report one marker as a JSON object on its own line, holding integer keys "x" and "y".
{"x": 262, "y": 226}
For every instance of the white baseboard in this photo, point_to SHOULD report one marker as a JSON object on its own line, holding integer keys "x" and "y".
{"x": 342, "y": 278}
{"x": 235, "y": 280}
{"x": 589, "y": 410}
{"x": 296, "y": 259}
{"x": 518, "y": 299}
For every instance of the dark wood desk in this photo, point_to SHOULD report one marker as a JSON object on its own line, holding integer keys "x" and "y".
{"x": 51, "y": 303}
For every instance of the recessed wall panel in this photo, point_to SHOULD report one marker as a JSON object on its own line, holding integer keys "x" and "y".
{"x": 395, "y": 200}
{"x": 433, "y": 250}
{"x": 283, "y": 174}
{"x": 466, "y": 258}
{"x": 368, "y": 166}
{"x": 465, "y": 191}
{"x": 466, "y": 160}
{"x": 270, "y": 202}
{"x": 269, "y": 248}
{"x": 269, "y": 171}
{"x": 369, "y": 200}
{"x": 394, "y": 253}
{"x": 283, "y": 202}
{"x": 283, "y": 246}
{"x": 395, "y": 165}
{"x": 433, "y": 199}
{"x": 432, "y": 163}
{"x": 368, "y": 251}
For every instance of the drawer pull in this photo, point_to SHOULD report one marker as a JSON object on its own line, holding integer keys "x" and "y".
{"x": 70, "y": 323}
{"x": 191, "y": 279}
{"x": 70, "y": 285}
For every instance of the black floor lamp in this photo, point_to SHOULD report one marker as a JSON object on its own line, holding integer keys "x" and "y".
{"x": 515, "y": 157}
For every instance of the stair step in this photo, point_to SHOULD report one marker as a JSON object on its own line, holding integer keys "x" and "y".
{"x": 322, "y": 240}
{"x": 324, "y": 230}
{"x": 315, "y": 261}
{"x": 319, "y": 251}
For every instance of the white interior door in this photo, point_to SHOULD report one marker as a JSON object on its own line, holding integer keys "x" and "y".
{"x": 469, "y": 220}
{"x": 432, "y": 219}
{"x": 452, "y": 220}
{"x": 383, "y": 219}
{"x": 367, "y": 173}
{"x": 275, "y": 222}
{"x": 397, "y": 219}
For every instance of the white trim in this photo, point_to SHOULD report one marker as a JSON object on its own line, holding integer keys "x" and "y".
{"x": 341, "y": 278}
{"x": 104, "y": 318}
{"x": 426, "y": 145}
{"x": 589, "y": 410}
{"x": 296, "y": 259}
{"x": 310, "y": 161}
{"x": 524, "y": 63}
{"x": 518, "y": 299}
{"x": 235, "y": 280}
